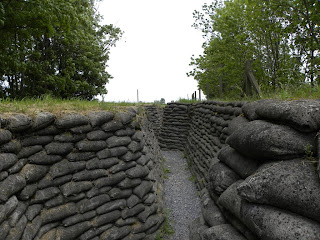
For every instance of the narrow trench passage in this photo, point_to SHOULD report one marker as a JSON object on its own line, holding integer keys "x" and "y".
{"x": 180, "y": 195}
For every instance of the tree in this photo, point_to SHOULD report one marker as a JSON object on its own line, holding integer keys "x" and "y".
{"x": 53, "y": 47}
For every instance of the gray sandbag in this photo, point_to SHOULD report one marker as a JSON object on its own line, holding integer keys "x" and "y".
{"x": 71, "y": 120}
{"x": 293, "y": 185}
{"x": 150, "y": 222}
{"x": 138, "y": 236}
{"x": 7, "y": 160}
{"x": 90, "y": 146}
{"x": 115, "y": 233}
{"x": 14, "y": 146}
{"x": 111, "y": 206}
{"x": 221, "y": 177}
{"x": 129, "y": 183}
{"x": 72, "y": 188}
{"x": 18, "y": 122}
{"x": 89, "y": 175}
{"x": 11, "y": 185}
{"x": 135, "y": 146}
{"x": 116, "y": 193}
{"x": 273, "y": 224}
{"x": 33, "y": 172}
{"x": 132, "y": 201}
{"x": 4, "y": 229}
{"x": 80, "y": 156}
{"x": 69, "y": 137}
{"x": 210, "y": 211}
{"x": 137, "y": 136}
{"x": 86, "y": 205}
{"x": 72, "y": 232}
{"x": 104, "y": 163}
{"x": 98, "y": 135}
{"x": 249, "y": 109}
{"x": 235, "y": 124}
{"x": 118, "y": 151}
{"x": 36, "y": 140}
{"x": 5, "y": 136}
{"x": 148, "y": 211}
{"x": 242, "y": 165}
{"x": 130, "y": 212}
{"x": 78, "y": 218}
{"x": 99, "y": 118}
{"x": 17, "y": 213}
{"x": 124, "y": 222}
{"x": 18, "y": 166}
{"x": 125, "y": 117}
{"x": 57, "y": 148}
{"x": 27, "y": 192}
{"x": 143, "y": 189}
{"x": 65, "y": 167}
{"x": 303, "y": 115}
{"x": 222, "y": 232}
{"x": 112, "y": 179}
{"x": 16, "y": 232}
{"x": 122, "y": 166}
{"x": 111, "y": 126}
{"x": 28, "y": 151}
{"x": 33, "y": 211}
{"x": 196, "y": 228}
{"x": 138, "y": 172}
{"x": 43, "y": 120}
{"x": 263, "y": 140}
{"x": 46, "y": 228}
{"x": 32, "y": 229}
{"x": 58, "y": 213}
{"x": 93, "y": 232}
{"x": 125, "y": 132}
{"x": 42, "y": 158}
{"x": 106, "y": 218}
{"x": 8, "y": 208}
{"x": 81, "y": 129}
{"x": 45, "y": 194}
{"x": 115, "y": 141}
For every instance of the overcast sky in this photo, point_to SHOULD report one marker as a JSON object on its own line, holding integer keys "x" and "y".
{"x": 155, "y": 50}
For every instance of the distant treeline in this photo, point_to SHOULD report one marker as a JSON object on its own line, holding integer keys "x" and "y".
{"x": 281, "y": 37}
{"x": 55, "y": 47}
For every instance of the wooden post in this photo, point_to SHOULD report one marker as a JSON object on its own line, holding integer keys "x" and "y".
{"x": 195, "y": 95}
{"x": 250, "y": 79}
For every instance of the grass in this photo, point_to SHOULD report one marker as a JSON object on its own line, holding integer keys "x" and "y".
{"x": 31, "y": 106}
{"x": 166, "y": 228}
{"x": 166, "y": 171}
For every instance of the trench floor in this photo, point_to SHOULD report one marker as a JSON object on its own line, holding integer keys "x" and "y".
{"x": 181, "y": 199}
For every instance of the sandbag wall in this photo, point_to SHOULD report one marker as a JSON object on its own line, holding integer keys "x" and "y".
{"x": 77, "y": 176}
{"x": 154, "y": 114}
{"x": 265, "y": 184}
{"x": 207, "y": 135}
{"x": 175, "y": 126}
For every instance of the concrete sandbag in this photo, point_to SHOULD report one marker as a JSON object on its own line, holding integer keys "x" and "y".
{"x": 263, "y": 141}
{"x": 242, "y": 165}
{"x": 222, "y": 232}
{"x": 272, "y": 223}
{"x": 293, "y": 185}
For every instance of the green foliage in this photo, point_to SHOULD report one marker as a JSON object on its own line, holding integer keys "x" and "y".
{"x": 166, "y": 228}
{"x": 53, "y": 47}
{"x": 281, "y": 37}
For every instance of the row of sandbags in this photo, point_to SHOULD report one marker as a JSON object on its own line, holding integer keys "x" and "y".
{"x": 77, "y": 177}
{"x": 265, "y": 183}
{"x": 154, "y": 115}
{"x": 175, "y": 126}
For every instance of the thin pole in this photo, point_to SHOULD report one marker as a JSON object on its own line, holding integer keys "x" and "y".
{"x": 137, "y": 95}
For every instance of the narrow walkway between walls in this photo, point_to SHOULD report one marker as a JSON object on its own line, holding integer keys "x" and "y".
{"x": 180, "y": 196}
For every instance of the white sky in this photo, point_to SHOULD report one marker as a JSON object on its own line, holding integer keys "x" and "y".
{"x": 155, "y": 50}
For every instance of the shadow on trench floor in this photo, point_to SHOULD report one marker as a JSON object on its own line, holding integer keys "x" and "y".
{"x": 181, "y": 199}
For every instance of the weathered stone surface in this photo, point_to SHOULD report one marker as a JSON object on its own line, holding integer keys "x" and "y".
{"x": 27, "y": 192}
{"x": 116, "y": 193}
{"x": 243, "y": 166}
{"x": 92, "y": 146}
{"x": 267, "y": 141}
{"x": 43, "y": 158}
{"x": 71, "y": 120}
{"x": 19, "y": 122}
{"x": 32, "y": 172}
{"x": 135, "y": 146}
{"x": 125, "y": 117}
{"x": 33, "y": 211}
{"x": 236, "y": 123}
{"x": 132, "y": 201}
{"x": 129, "y": 183}
{"x": 7, "y": 160}
{"x": 88, "y": 175}
{"x": 115, "y": 141}
{"x": 45, "y": 194}
{"x": 148, "y": 211}
{"x": 72, "y": 232}
{"x": 249, "y": 109}
{"x": 43, "y": 120}
{"x": 105, "y": 163}
{"x": 14, "y": 146}
{"x": 111, "y": 126}
{"x": 150, "y": 222}
{"x": 81, "y": 129}
{"x": 303, "y": 115}
{"x": 58, "y": 213}
{"x": 4, "y": 230}
{"x": 106, "y": 218}
{"x": 17, "y": 231}
{"x": 11, "y": 185}
{"x": 99, "y": 118}
{"x": 17, "y": 213}
{"x": 65, "y": 167}
{"x": 93, "y": 232}
{"x": 130, "y": 212}
{"x": 122, "y": 166}
{"x": 124, "y": 222}
{"x": 69, "y": 137}
{"x": 138, "y": 136}
{"x": 125, "y": 132}
{"x": 32, "y": 229}
{"x": 80, "y": 156}
{"x": 71, "y": 188}
{"x": 57, "y": 148}
{"x": 221, "y": 177}
{"x": 5, "y": 136}
{"x": 18, "y": 166}
{"x": 222, "y": 232}
{"x": 118, "y": 151}
{"x": 272, "y": 223}
{"x": 144, "y": 188}
{"x": 293, "y": 185}
{"x": 111, "y": 206}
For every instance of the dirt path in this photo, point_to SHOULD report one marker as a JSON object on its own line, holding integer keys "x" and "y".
{"x": 180, "y": 195}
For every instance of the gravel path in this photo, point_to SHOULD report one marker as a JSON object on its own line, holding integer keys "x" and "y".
{"x": 180, "y": 195}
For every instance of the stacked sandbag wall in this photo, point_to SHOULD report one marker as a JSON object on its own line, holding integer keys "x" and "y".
{"x": 79, "y": 176}
{"x": 154, "y": 114}
{"x": 175, "y": 126}
{"x": 265, "y": 183}
{"x": 208, "y": 132}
